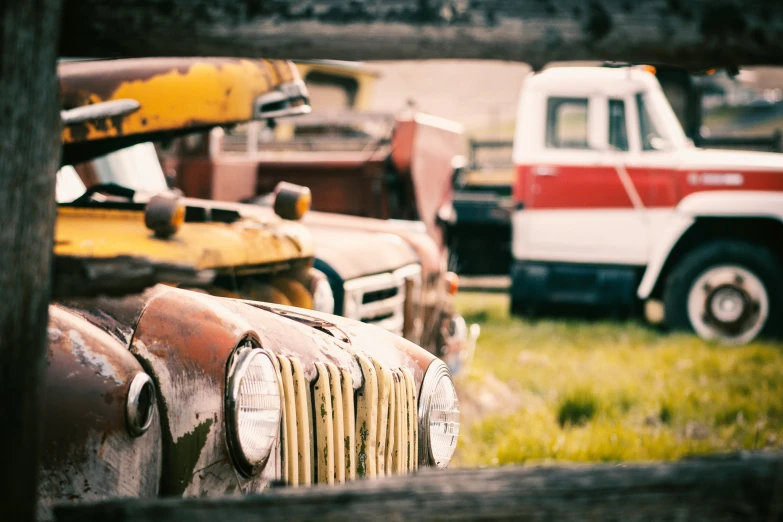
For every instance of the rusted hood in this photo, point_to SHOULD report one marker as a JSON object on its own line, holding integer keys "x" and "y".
{"x": 356, "y": 253}
{"x": 176, "y": 95}
{"x": 414, "y": 233}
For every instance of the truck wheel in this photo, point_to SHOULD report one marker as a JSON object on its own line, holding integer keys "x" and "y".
{"x": 726, "y": 291}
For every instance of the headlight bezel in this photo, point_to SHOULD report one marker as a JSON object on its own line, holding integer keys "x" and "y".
{"x": 241, "y": 360}
{"x": 436, "y": 372}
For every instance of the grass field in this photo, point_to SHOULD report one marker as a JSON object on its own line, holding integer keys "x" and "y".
{"x": 609, "y": 391}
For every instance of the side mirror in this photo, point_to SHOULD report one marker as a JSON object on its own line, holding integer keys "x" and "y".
{"x": 458, "y": 166}
{"x": 657, "y": 143}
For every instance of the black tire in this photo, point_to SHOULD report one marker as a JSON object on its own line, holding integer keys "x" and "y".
{"x": 755, "y": 258}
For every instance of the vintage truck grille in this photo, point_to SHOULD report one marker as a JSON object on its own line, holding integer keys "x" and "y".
{"x": 332, "y": 433}
{"x": 389, "y": 300}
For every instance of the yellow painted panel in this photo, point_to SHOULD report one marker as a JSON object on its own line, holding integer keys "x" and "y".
{"x": 324, "y": 427}
{"x": 105, "y": 233}
{"x": 367, "y": 420}
{"x": 189, "y": 93}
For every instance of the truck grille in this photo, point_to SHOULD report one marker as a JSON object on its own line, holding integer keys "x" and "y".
{"x": 389, "y": 301}
{"x": 332, "y": 433}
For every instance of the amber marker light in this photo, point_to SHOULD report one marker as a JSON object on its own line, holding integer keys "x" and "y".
{"x": 164, "y": 214}
{"x": 452, "y": 282}
{"x": 291, "y": 201}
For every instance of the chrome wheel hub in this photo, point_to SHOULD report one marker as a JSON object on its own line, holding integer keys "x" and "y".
{"x": 728, "y": 303}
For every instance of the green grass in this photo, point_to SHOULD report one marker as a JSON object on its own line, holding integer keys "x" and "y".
{"x": 609, "y": 391}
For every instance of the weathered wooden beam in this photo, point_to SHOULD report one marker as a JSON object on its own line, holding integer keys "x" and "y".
{"x": 29, "y": 154}
{"x": 694, "y": 33}
{"x": 746, "y": 488}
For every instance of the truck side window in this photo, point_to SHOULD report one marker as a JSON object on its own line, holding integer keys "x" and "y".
{"x": 649, "y": 134}
{"x": 566, "y": 123}
{"x": 618, "y": 134}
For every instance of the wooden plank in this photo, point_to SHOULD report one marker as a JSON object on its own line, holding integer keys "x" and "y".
{"x": 740, "y": 487}
{"x": 696, "y": 33}
{"x": 29, "y": 153}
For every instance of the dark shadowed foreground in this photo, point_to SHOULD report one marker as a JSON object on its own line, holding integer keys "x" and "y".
{"x": 741, "y": 487}
{"x": 696, "y": 33}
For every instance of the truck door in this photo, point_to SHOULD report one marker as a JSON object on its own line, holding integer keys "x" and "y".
{"x": 579, "y": 209}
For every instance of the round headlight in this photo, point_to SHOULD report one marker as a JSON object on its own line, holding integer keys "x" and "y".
{"x": 323, "y": 297}
{"x": 253, "y": 409}
{"x": 438, "y": 416}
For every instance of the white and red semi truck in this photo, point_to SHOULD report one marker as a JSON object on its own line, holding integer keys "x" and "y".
{"x": 615, "y": 207}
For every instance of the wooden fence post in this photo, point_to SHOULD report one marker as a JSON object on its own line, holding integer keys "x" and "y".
{"x": 29, "y": 155}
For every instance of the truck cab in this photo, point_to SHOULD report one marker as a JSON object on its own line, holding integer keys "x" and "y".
{"x": 617, "y": 206}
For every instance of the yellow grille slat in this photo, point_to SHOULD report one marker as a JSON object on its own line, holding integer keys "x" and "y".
{"x": 349, "y": 425}
{"x": 283, "y": 422}
{"x": 367, "y": 420}
{"x": 384, "y": 398}
{"x": 331, "y": 433}
{"x": 338, "y": 423}
{"x": 413, "y": 418}
{"x": 324, "y": 427}
{"x": 289, "y": 435}
{"x": 391, "y": 427}
{"x": 303, "y": 423}
{"x": 401, "y": 448}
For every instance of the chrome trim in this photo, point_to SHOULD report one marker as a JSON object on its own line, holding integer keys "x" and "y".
{"x": 388, "y": 313}
{"x": 139, "y": 383}
{"x": 284, "y": 97}
{"x": 99, "y": 111}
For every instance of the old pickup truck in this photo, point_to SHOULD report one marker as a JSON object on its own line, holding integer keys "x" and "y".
{"x": 615, "y": 206}
{"x": 378, "y": 173}
{"x": 175, "y": 392}
{"x": 120, "y": 196}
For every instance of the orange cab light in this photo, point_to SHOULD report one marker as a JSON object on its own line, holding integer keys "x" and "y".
{"x": 649, "y": 68}
{"x": 452, "y": 282}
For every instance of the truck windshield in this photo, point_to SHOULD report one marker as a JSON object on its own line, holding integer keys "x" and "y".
{"x": 657, "y": 120}
{"x": 69, "y": 185}
{"x": 136, "y": 167}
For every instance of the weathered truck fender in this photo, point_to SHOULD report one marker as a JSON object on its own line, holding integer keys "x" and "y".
{"x": 88, "y": 450}
{"x": 711, "y": 204}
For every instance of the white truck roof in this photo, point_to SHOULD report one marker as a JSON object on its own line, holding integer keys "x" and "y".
{"x": 588, "y": 78}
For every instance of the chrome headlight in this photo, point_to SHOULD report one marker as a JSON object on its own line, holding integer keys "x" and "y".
{"x": 438, "y": 416}
{"x": 323, "y": 297}
{"x": 253, "y": 408}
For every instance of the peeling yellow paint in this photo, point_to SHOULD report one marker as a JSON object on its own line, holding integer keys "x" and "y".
{"x": 206, "y": 93}
{"x": 106, "y": 233}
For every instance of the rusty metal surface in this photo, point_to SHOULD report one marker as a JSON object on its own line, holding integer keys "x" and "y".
{"x": 87, "y": 451}
{"x": 174, "y": 93}
{"x": 185, "y": 339}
